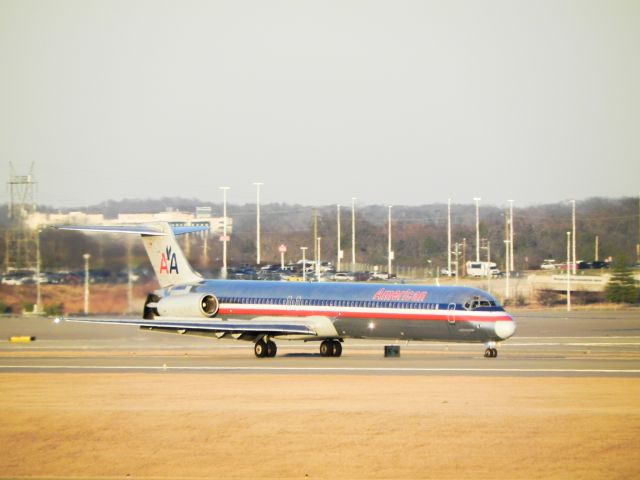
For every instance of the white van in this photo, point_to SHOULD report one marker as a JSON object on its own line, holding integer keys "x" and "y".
{"x": 482, "y": 269}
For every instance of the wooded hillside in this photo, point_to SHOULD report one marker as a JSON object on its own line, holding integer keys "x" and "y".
{"x": 419, "y": 233}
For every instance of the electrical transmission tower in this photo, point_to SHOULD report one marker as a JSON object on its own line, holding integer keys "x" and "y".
{"x": 21, "y": 242}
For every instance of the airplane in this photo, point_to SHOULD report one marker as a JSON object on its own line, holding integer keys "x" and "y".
{"x": 265, "y": 311}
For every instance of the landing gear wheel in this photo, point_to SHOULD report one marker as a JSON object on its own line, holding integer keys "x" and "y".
{"x": 272, "y": 349}
{"x": 327, "y": 348}
{"x": 491, "y": 353}
{"x": 260, "y": 349}
{"x": 330, "y": 348}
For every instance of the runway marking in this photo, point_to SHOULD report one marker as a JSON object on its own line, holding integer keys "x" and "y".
{"x": 321, "y": 369}
{"x": 628, "y": 337}
{"x": 572, "y": 344}
{"x": 412, "y": 345}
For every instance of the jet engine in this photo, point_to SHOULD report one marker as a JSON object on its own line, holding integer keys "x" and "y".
{"x": 189, "y": 305}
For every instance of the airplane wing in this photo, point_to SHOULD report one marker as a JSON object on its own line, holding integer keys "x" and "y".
{"x": 269, "y": 326}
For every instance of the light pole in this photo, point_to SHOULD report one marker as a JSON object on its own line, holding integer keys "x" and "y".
{"x": 489, "y": 266}
{"x": 507, "y": 293}
{"x": 38, "y": 307}
{"x": 353, "y": 234}
{"x": 129, "y": 277}
{"x": 339, "y": 254}
{"x": 389, "y": 252}
{"x": 304, "y": 263}
{"x": 511, "y": 263}
{"x": 224, "y": 232}
{"x": 258, "y": 184}
{"x": 318, "y": 258}
{"x": 477, "y": 200}
{"x": 488, "y": 248}
{"x": 315, "y": 234}
{"x": 573, "y": 237}
{"x": 282, "y": 250}
{"x": 449, "y": 237}
{"x": 457, "y": 261}
{"x": 568, "y": 273}
{"x": 86, "y": 257}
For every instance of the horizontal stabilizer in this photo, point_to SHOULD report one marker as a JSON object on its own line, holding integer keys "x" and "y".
{"x": 147, "y": 230}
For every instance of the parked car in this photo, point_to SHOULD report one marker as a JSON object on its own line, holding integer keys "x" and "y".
{"x": 276, "y": 275}
{"x": 19, "y": 277}
{"x": 379, "y": 276}
{"x": 362, "y": 276}
{"x": 343, "y": 277}
{"x": 242, "y": 273}
{"x": 548, "y": 264}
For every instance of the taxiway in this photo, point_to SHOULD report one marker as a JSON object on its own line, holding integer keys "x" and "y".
{"x": 548, "y": 343}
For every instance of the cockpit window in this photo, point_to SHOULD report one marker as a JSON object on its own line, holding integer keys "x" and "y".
{"x": 477, "y": 301}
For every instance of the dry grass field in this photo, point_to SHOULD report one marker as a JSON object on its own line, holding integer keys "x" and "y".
{"x": 168, "y": 425}
{"x": 104, "y": 298}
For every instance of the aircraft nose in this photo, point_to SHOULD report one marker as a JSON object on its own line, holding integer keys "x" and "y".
{"x": 505, "y": 328}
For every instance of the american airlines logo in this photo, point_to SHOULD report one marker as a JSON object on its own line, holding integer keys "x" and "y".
{"x": 400, "y": 295}
{"x": 168, "y": 261}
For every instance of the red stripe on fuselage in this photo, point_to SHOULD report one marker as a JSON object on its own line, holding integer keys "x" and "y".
{"x": 434, "y": 315}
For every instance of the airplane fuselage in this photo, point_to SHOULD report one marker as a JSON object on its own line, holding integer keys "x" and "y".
{"x": 383, "y": 311}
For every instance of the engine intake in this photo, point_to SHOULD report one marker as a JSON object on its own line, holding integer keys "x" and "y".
{"x": 189, "y": 305}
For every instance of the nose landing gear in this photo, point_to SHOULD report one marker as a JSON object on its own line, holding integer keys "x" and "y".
{"x": 491, "y": 351}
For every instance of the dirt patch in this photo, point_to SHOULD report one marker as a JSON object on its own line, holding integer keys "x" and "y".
{"x": 103, "y": 298}
{"x": 169, "y": 425}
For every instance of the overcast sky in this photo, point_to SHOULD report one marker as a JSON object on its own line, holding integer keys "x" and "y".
{"x": 393, "y": 102}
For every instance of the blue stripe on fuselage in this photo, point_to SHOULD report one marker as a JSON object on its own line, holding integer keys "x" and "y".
{"x": 402, "y": 295}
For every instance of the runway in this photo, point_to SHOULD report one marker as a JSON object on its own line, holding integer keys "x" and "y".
{"x": 102, "y": 401}
{"x": 548, "y": 343}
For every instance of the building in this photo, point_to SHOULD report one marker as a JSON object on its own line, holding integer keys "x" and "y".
{"x": 201, "y": 217}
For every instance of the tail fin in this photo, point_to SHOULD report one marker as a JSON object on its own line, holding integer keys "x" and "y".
{"x": 168, "y": 261}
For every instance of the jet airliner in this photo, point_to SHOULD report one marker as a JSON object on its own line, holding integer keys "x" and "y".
{"x": 265, "y": 311}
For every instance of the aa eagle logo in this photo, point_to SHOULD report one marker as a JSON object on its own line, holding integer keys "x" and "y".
{"x": 168, "y": 261}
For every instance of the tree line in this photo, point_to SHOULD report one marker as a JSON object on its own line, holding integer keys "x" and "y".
{"x": 419, "y": 233}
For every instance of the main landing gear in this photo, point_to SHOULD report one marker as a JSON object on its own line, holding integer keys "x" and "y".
{"x": 330, "y": 348}
{"x": 264, "y": 349}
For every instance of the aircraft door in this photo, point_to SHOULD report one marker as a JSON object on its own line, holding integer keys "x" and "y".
{"x": 451, "y": 314}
